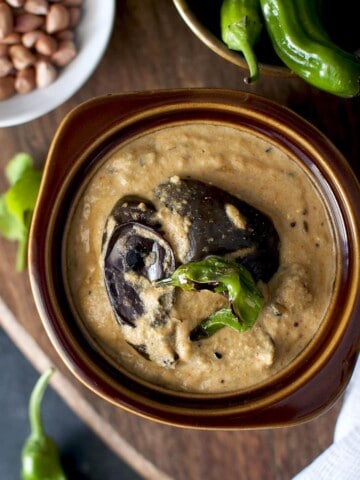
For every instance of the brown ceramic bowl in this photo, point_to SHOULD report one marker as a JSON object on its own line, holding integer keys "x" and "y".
{"x": 318, "y": 376}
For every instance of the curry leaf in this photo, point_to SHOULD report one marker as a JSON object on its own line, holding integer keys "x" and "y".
{"x": 15, "y": 169}
{"x": 18, "y": 203}
{"x": 21, "y": 197}
{"x": 10, "y": 227}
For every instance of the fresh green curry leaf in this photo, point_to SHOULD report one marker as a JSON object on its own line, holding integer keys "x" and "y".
{"x": 21, "y": 197}
{"x": 16, "y": 167}
{"x": 18, "y": 203}
{"x": 10, "y": 227}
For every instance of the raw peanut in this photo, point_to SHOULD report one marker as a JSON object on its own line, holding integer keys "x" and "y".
{"x": 6, "y": 66}
{"x": 66, "y": 35}
{"x": 57, "y": 19}
{"x": 26, "y": 22}
{"x": 72, "y": 3}
{"x": 25, "y": 80}
{"x": 11, "y": 39}
{"x": 3, "y": 50}
{"x": 75, "y": 16}
{"x": 39, "y": 7}
{"x": 21, "y": 56}
{"x": 7, "y": 88}
{"x": 29, "y": 38}
{"x": 36, "y": 39}
{"x": 6, "y": 20}
{"x": 15, "y": 3}
{"x": 64, "y": 54}
{"x": 45, "y": 73}
{"x": 46, "y": 44}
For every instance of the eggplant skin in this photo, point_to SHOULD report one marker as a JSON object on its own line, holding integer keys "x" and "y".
{"x": 135, "y": 255}
{"x": 213, "y": 232}
{"x": 131, "y": 209}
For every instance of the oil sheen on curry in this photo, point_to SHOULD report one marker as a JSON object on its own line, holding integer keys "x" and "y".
{"x": 200, "y": 257}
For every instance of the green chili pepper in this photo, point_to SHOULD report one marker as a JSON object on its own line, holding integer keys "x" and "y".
{"x": 241, "y": 26}
{"x": 219, "y": 319}
{"x": 309, "y": 16}
{"x": 303, "y": 45}
{"x": 224, "y": 277}
{"x": 40, "y": 457}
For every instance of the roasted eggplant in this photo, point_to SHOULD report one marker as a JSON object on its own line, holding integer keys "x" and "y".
{"x": 222, "y": 224}
{"x": 135, "y": 255}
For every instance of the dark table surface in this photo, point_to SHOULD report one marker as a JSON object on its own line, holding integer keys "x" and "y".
{"x": 83, "y": 455}
{"x": 151, "y": 48}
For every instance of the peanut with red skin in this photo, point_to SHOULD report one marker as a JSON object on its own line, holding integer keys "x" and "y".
{"x": 72, "y": 3}
{"x": 29, "y": 38}
{"x": 65, "y": 35}
{"x": 3, "y": 50}
{"x": 45, "y": 73}
{"x": 75, "y": 16}
{"x": 25, "y": 80}
{"x": 58, "y": 18}
{"x": 64, "y": 54}
{"x": 21, "y": 56}
{"x": 6, "y": 67}
{"x": 12, "y": 39}
{"x": 46, "y": 44}
{"x": 26, "y": 22}
{"x": 7, "y": 88}
{"x": 38, "y": 7}
{"x": 36, "y": 39}
{"x": 15, "y": 3}
{"x": 6, "y": 20}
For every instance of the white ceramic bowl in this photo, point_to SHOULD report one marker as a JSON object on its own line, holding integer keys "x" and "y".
{"x": 92, "y": 33}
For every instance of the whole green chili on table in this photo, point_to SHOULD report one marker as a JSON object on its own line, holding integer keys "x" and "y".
{"x": 40, "y": 457}
{"x": 303, "y": 45}
{"x": 309, "y": 12}
{"x": 240, "y": 29}
{"x": 225, "y": 277}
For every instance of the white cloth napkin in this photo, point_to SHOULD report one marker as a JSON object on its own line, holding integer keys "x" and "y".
{"x": 341, "y": 461}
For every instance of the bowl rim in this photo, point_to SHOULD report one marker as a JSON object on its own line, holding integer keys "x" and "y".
{"x": 218, "y": 47}
{"x": 224, "y": 411}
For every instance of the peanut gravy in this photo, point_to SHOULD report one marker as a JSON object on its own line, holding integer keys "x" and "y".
{"x": 296, "y": 298}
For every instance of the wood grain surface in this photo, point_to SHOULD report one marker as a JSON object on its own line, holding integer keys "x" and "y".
{"x": 152, "y": 48}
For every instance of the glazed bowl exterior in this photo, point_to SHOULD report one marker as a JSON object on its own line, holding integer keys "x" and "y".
{"x": 318, "y": 376}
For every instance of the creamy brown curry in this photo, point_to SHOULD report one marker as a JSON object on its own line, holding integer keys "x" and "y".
{"x": 296, "y": 297}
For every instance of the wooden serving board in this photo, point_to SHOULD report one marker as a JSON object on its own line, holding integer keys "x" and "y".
{"x": 152, "y": 48}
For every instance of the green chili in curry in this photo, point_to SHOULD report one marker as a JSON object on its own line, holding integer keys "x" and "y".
{"x": 225, "y": 277}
